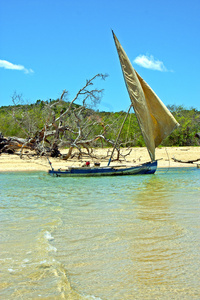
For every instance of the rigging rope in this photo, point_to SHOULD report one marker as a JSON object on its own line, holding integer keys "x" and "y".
{"x": 168, "y": 159}
{"x": 127, "y": 134}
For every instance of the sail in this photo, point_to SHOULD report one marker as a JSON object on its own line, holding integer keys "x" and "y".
{"x": 155, "y": 120}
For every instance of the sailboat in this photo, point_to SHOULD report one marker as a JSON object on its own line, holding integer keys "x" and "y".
{"x": 155, "y": 121}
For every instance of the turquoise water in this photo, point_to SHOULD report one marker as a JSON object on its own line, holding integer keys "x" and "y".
{"x": 130, "y": 237}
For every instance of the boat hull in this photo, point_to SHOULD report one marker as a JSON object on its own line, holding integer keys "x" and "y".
{"x": 146, "y": 168}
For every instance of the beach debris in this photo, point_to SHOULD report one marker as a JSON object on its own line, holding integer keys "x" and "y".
{"x": 185, "y": 161}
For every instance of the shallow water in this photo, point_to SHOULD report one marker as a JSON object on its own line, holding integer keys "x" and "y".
{"x": 130, "y": 237}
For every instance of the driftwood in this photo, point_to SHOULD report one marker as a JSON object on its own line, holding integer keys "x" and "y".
{"x": 11, "y": 144}
{"x": 186, "y": 162}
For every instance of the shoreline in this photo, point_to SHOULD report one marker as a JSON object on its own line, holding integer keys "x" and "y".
{"x": 13, "y": 163}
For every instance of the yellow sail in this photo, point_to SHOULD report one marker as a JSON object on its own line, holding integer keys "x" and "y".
{"x": 155, "y": 120}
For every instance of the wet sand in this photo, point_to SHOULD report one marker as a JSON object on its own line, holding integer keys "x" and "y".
{"x": 12, "y": 163}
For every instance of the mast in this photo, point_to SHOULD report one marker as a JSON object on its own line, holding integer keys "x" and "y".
{"x": 119, "y": 135}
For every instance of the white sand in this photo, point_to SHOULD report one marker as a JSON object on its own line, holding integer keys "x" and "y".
{"x": 138, "y": 155}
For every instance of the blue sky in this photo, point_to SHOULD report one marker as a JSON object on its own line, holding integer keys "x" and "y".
{"x": 47, "y": 46}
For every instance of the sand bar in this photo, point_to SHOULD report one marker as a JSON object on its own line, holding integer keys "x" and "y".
{"x": 13, "y": 163}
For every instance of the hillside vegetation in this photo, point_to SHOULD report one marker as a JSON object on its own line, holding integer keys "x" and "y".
{"x": 22, "y": 120}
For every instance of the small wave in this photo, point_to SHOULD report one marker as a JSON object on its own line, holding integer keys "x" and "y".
{"x": 92, "y": 297}
{"x": 48, "y": 236}
{"x": 11, "y": 270}
{"x": 5, "y": 259}
{"x": 51, "y": 248}
{"x": 45, "y": 264}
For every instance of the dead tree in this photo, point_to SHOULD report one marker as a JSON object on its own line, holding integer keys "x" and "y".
{"x": 73, "y": 125}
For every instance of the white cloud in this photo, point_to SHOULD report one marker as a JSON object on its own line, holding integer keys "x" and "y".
{"x": 149, "y": 62}
{"x": 8, "y": 65}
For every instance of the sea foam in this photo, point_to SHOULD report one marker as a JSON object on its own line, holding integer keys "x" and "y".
{"x": 48, "y": 236}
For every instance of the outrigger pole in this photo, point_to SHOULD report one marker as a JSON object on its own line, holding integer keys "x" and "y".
{"x": 49, "y": 163}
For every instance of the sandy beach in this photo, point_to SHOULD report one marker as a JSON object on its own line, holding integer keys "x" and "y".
{"x": 12, "y": 163}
